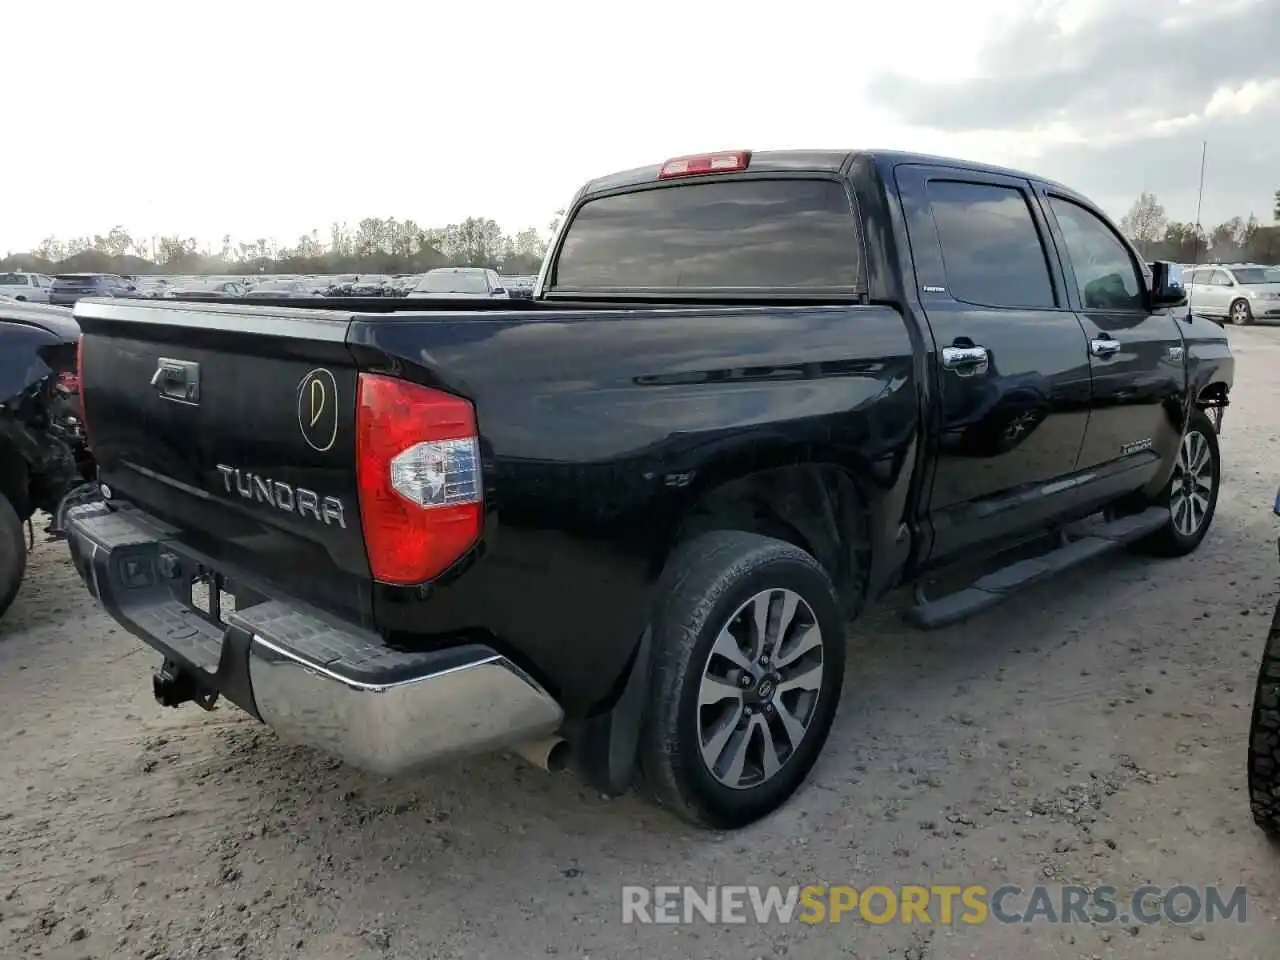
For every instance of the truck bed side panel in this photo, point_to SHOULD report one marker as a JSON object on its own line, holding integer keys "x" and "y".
{"x": 599, "y": 428}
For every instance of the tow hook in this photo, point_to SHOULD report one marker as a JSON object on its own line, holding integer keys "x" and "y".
{"x": 173, "y": 686}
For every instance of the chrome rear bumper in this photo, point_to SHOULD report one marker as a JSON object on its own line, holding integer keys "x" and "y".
{"x": 315, "y": 682}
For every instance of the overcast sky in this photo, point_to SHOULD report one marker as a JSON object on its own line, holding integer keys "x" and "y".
{"x": 205, "y": 119}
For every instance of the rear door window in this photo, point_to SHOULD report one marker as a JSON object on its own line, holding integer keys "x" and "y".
{"x": 991, "y": 247}
{"x": 734, "y": 235}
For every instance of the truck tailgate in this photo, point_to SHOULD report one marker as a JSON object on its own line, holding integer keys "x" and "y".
{"x": 236, "y": 428}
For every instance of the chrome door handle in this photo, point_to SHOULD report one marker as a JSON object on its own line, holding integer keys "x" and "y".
{"x": 1104, "y": 346}
{"x": 966, "y": 361}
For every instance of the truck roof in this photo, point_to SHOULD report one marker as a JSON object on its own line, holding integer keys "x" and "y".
{"x": 815, "y": 161}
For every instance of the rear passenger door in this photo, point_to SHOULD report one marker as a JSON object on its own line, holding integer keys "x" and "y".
{"x": 1135, "y": 355}
{"x": 1011, "y": 364}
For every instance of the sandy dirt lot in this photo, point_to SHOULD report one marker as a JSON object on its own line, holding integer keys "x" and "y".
{"x": 1091, "y": 731}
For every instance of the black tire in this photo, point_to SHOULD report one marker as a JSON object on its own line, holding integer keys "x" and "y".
{"x": 1264, "y": 738}
{"x": 706, "y": 581}
{"x": 1240, "y": 312}
{"x": 13, "y": 553}
{"x": 1177, "y": 538}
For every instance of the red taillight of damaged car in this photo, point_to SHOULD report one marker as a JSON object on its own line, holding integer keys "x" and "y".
{"x": 75, "y": 383}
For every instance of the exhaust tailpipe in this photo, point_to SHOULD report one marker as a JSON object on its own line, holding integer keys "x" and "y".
{"x": 550, "y": 753}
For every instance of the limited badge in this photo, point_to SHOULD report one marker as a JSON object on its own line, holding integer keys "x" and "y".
{"x": 318, "y": 409}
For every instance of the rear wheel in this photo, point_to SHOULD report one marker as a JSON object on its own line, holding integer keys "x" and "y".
{"x": 1192, "y": 493}
{"x": 1264, "y": 738}
{"x": 13, "y": 553}
{"x": 1240, "y": 313}
{"x": 748, "y": 667}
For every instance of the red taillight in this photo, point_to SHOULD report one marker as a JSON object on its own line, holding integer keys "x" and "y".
{"x": 418, "y": 472}
{"x": 698, "y": 164}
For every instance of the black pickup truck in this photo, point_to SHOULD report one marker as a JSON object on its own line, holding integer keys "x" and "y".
{"x": 624, "y": 524}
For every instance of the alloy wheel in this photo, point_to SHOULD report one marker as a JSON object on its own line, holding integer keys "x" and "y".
{"x": 1193, "y": 482}
{"x": 759, "y": 688}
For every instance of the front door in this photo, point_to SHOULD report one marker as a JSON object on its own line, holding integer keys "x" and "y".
{"x": 1011, "y": 368}
{"x": 1136, "y": 355}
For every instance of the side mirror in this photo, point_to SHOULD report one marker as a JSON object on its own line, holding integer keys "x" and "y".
{"x": 1167, "y": 286}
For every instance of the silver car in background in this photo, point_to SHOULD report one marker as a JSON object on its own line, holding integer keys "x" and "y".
{"x": 460, "y": 282}
{"x": 1241, "y": 293}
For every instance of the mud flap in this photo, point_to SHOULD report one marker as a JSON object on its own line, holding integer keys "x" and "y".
{"x": 605, "y": 746}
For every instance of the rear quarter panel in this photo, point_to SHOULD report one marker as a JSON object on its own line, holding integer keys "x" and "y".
{"x": 599, "y": 429}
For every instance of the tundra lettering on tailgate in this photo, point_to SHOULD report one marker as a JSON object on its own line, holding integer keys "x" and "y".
{"x": 283, "y": 496}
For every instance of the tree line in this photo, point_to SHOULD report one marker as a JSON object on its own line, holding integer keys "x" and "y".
{"x": 1238, "y": 239}
{"x": 373, "y": 246}
{"x": 380, "y": 246}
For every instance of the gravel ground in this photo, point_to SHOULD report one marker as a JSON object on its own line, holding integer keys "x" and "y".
{"x": 1090, "y": 731}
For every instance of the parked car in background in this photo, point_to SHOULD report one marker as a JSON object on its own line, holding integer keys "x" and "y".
{"x": 1240, "y": 293}
{"x": 281, "y": 288}
{"x": 460, "y": 282}
{"x": 215, "y": 289}
{"x": 29, "y": 287}
{"x": 67, "y": 288}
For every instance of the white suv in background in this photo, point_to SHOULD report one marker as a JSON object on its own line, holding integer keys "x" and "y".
{"x": 1241, "y": 293}
{"x": 31, "y": 287}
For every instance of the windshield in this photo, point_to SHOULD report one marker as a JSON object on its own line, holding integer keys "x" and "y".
{"x": 453, "y": 281}
{"x": 729, "y": 235}
{"x": 1256, "y": 275}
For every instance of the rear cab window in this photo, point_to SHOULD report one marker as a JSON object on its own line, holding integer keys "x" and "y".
{"x": 741, "y": 235}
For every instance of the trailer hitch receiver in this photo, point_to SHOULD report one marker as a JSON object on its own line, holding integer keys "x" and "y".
{"x": 175, "y": 685}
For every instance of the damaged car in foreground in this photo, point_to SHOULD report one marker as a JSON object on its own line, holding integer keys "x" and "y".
{"x": 43, "y": 453}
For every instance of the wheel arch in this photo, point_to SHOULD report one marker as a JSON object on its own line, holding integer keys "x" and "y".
{"x": 818, "y": 505}
{"x": 14, "y": 477}
{"x": 1214, "y": 394}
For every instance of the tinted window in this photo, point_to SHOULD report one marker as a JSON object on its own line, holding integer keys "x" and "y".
{"x": 1105, "y": 274}
{"x": 990, "y": 245}
{"x": 741, "y": 234}
{"x": 72, "y": 280}
{"x": 1253, "y": 275}
{"x": 454, "y": 281}
{"x": 13, "y": 279}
